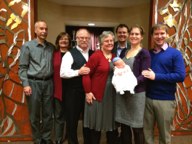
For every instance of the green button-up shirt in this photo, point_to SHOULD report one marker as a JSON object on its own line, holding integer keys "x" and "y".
{"x": 36, "y": 60}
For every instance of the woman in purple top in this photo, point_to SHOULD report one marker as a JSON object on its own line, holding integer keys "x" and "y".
{"x": 130, "y": 107}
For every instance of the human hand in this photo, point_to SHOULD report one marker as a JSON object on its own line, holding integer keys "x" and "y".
{"x": 84, "y": 70}
{"x": 90, "y": 97}
{"x": 27, "y": 90}
{"x": 148, "y": 74}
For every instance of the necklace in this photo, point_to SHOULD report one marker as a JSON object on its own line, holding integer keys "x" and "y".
{"x": 108, "y": 57}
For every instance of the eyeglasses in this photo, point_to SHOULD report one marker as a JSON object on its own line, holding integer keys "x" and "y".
{"x": 83, "y": 38}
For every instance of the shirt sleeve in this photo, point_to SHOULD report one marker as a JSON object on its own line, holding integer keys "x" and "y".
{"x": 66, "y": 71}
{"x": 24, "y": 65}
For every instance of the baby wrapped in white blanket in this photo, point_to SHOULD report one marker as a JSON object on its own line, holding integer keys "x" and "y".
{"x": 123, "y": 78}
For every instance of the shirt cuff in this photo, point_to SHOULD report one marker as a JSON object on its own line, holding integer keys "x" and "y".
{"x": 25, "y": 83}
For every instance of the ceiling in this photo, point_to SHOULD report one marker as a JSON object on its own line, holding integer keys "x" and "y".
{"x": 101, "y": 3}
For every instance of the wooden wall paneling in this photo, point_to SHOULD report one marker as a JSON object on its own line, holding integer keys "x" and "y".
{"x": 16, "y": 24}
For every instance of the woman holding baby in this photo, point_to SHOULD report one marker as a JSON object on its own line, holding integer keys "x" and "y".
{"x": 130, "y": 107}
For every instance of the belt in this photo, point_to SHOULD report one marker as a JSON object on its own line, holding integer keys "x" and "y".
{"x": 42, "y": 79}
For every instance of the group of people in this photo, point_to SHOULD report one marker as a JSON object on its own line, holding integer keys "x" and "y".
{"x": 77, "y": 82}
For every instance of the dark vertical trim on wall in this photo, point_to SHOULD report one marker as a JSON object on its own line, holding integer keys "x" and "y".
{"x": 151, "y": 15}
{"x": 33, "y": 16}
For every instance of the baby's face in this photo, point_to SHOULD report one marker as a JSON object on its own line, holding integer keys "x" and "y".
{"x": 119, "y": 63}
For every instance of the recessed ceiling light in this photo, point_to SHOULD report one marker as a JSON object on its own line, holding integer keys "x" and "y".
{"x": 91, "y": 24}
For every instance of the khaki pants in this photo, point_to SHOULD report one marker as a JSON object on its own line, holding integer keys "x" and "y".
{"x": 162, "y": 113}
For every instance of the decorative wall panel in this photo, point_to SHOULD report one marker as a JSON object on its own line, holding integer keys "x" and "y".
{"x": 15, "y": 29}
{"x": 177, "y": 14}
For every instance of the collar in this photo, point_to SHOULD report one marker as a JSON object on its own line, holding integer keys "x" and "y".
{"x": 39, "y": 44}
{"x": 158, "y": 49}
{"x": 165, "y": 46}
{"x": 82, "y": 51}
{"x": 118, "y": 46}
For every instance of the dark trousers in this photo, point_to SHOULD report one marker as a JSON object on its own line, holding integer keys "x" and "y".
{"x": 74, "y": 106}
{"x": 94, "y": 137}
{"x": 126, "y": 135}
{"x": 41, "y": 109}
{"x": 59, "y": 120}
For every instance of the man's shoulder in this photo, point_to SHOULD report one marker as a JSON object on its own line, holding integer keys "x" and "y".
{"x": 50, "y": 44}
{"x": 29, "y": 42}
{"x": 73, "y": 49}
{"x": 173, "y": 50}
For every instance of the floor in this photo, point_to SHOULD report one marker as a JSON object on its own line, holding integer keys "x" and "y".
{"x": 175, "y": 140}
{"x": 187, "y": 139}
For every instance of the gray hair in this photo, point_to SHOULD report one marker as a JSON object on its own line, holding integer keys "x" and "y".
{"x": 104, "y": 35}
{"x": 37, "y": 23}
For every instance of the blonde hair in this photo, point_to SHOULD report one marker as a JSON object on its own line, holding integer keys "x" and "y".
{"x": 159, "y": 26}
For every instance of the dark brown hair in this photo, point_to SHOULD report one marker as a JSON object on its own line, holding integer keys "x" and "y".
{"x": 60, "y": 35}
{"x": 122, "y": 26}
{"x": 139, "y": 27}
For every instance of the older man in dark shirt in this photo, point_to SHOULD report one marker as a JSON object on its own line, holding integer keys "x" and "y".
{"x": 35, "y": 71}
